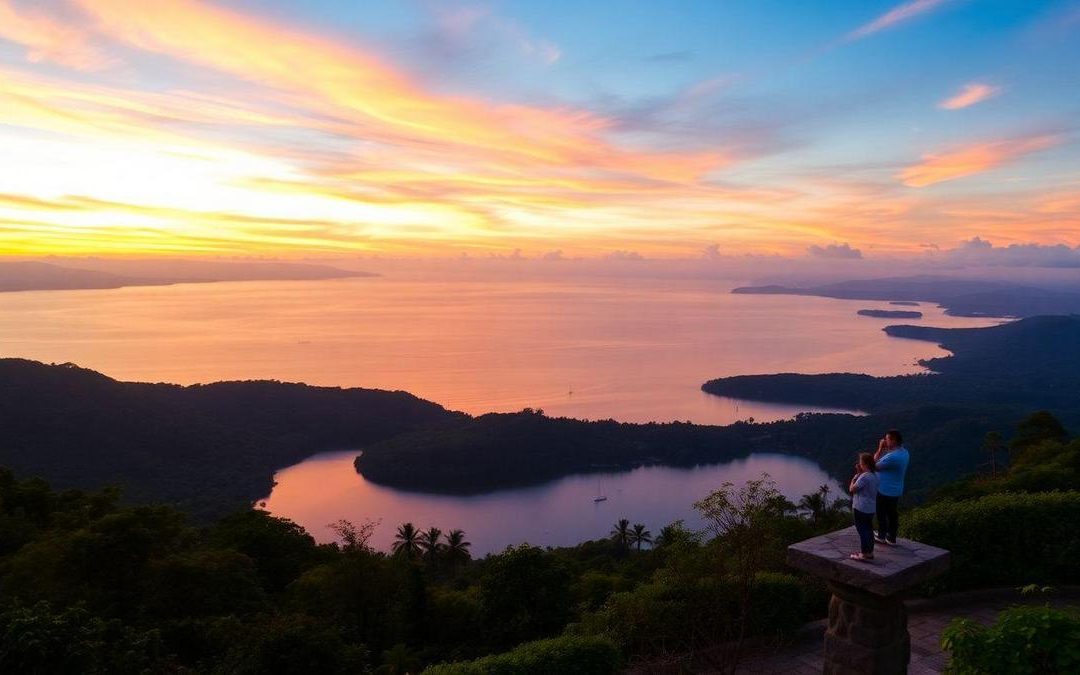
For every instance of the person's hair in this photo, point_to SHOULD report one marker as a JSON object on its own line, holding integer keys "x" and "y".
{"x": 895, "y": 435}
{"x": 867, "y": 460}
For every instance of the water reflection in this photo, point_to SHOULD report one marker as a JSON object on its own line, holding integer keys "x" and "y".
{"x": 325, "y": 488}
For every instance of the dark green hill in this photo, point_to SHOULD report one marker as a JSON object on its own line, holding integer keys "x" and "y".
{"x": 209, "y": 448}
{"x": 507, "y": 450}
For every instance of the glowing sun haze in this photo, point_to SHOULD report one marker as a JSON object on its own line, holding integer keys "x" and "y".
{"x": 181, "y": 127}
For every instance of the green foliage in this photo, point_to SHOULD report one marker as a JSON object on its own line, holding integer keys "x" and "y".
{"x": 680, "y": 613}
{"x": 455, "y": 622}
{"x": 360, "y": 593}
{"x": 1023, "y": 640}
{"x": 202, "y": 583}
{"x": 780, "y": 605}
{"x": 280, "y": 548}
{"x": 667, "y": 616}
{"x": 1003, "y": 539}
{"x": 294, "y": 645}
{"x": 555, "y": 656}
{"x": 41, "y": 639}
{"x": 1038, "y": 428}
{"x": 1042, "y": 460}
{"x": 524, "y": 594}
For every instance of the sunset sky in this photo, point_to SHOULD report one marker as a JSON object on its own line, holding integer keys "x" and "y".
{"x": 411, "y": 128}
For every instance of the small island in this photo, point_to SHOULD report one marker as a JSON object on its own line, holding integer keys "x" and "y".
{"x": 890, "y": 313}
{"x": 905, "y": 303}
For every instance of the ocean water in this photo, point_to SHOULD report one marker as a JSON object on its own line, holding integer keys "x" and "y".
{"x": 632, "y": 350}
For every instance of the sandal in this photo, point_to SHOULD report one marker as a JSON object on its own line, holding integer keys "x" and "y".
{"x": 861, "y": 557}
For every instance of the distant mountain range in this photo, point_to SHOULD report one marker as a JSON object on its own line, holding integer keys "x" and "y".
{"x": 99, "y": 274}
{"x": 960, "y": 297}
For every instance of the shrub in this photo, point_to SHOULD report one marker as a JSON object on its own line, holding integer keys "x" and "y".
{"x": 667, "y": 616}
{"x": 43, "y": 639}
{"x": 567, "y": 654}
{"x": 1023, "y": 640}
{"x": 671, "y": 615}
{"x": 778, "y": 605}
{"x": 1003, "y": 539}
{"x": 524, "y": 594}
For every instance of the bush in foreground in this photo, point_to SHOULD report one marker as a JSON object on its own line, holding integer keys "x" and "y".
{"x": 1003, "y": 539}
{"x": 567, "y": 654}
{"x": 1023, "y": 640}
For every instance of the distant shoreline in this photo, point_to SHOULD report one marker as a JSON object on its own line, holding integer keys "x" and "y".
{"x": 19, "y": 277}
{"x": 959, "y": 297}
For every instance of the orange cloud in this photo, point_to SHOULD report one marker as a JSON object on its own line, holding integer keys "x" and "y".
{"x": 972, "y": 93}
{"x": 381, "y": 103}
{"x": 319, "y": 146}
{"x": 972, "y": 159}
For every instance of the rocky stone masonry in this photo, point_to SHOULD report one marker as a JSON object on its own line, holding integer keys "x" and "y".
{"x": 867, "y": 626}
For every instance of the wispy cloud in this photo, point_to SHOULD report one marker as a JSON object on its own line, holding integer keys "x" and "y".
{"x": 262, "y": 137}
{"x": 458, "y": 29}
{"x": 383, "y": 104}
{"x": 969, "y": 95}
{"x": 680, "y": 56}
{"x": 973, "y": 159}
{"x": 894, "y": 17}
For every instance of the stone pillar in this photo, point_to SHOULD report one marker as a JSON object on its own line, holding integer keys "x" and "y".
{"x": 866, "y": 633}
{"x": 867, "y": 628}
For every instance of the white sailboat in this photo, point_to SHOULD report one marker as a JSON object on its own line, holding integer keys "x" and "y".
{"x": 600, "y": 496}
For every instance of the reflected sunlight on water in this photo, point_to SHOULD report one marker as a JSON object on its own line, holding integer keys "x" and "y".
{"x": 633, "y": 350}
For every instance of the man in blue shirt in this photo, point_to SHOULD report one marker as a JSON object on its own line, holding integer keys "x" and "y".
{"x": 892, "y": 462}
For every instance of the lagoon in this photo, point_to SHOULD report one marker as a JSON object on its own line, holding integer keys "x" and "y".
{"x": 325, "y": 488}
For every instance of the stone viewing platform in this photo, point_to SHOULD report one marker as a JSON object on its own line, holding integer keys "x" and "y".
{"x": 867, "y": 626}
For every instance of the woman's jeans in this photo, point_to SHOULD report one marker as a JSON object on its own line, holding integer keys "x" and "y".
{"x": 864, "y": 524}
{"x": 887, "y": 517}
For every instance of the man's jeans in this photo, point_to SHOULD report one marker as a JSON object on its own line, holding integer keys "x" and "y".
{"x": 887, "y": 517}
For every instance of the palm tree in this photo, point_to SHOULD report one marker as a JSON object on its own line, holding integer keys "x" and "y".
{"x": 671, "y": 534}
{"x": 429, "y": 541}
{"x": 398, "y": 660}
{"x": 407, "y": 541}
{"x": 640, "y": 535}
{"x": 815, "y": 503}
{"x": 621, "y": 533}
{"x": 456, "y": 548}
{"x": 781, "y": 506}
